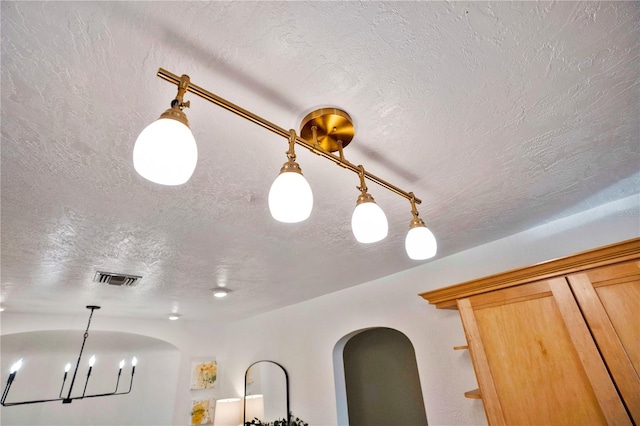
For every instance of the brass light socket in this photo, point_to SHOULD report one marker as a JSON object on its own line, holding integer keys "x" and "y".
{"x": 175, "y": 113}
{"x": 416, "y": 222}
{"x": 365, "y": 197}
{"x": 291, "y": 166}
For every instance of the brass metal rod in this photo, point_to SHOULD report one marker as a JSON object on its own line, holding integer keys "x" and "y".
{"x": 213, "y": 98}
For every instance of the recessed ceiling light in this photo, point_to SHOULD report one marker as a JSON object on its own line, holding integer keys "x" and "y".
{"x": 220, "y": 292}
{"x": 174, "y": 317}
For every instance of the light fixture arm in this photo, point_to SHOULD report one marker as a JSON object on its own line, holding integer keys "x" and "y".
{"x": 414, "y": 210}
{"x": 311, "y": 146}
{"x": 68, "y": 399}
{"x": 416, "y": 221}
{"x": 291, "y": 153}
{"x": 183, "y": 86}
{"x": 363, "y": 185}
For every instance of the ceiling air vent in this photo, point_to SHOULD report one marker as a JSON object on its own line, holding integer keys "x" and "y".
{"x": 116, "y": 279}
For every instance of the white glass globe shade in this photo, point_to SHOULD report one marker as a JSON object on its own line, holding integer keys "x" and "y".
{"x": 290, "y": 198}
{"x": 369, "y": 223}
{"x": 420, "y": 243}
{"x": 165, "y": 152}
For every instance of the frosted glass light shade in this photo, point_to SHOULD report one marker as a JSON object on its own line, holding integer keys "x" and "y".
{"x": 369, "y": 223}
{"x": 420, "y": 243}
{"x": 165, "y": 152}
{"x": 290, "y": 198}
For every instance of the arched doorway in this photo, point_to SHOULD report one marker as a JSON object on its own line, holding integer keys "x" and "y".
{"x": 381, "y": 382}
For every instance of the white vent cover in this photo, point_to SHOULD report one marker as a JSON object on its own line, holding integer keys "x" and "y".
{"x": 116, "y": 279}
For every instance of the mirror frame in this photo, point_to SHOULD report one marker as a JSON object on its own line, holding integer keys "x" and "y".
{"x": 244, "y": 400}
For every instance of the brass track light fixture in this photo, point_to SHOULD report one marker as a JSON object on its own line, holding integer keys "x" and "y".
{"x": 166, "y": 153}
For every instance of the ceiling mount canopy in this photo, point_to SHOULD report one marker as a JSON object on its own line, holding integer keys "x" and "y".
{"x": 331, "y": 128}
{"x": 166, "y": 153}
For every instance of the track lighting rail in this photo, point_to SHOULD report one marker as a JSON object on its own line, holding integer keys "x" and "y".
{"x": 215, "y": 99}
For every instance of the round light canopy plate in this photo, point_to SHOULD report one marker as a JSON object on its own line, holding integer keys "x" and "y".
{"x": 332, "y": 125}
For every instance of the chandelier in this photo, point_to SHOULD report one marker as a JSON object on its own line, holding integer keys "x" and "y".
{"x": 68, "y": 399}
{"x": 166, "y": 153}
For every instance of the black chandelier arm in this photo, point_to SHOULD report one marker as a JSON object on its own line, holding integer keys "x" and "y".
{"x": 5, "y": 393}
{"x": 6, "y": 388}
{"x": 85, "y": 383}
{"x": 118, "y": 381}
{"x": 105, "y": 394}
{"x": 116, "y": 391}
{"x": 62, "y": 387}
{"x": 86, "y": 334}
{"x": 10, "y": 404}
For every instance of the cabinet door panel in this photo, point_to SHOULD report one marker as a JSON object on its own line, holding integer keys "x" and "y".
{"x": 609, "y": 298}
{"x": 542, "y": 369}
{"x": 618, "y": 288}
{"x": 622, "y": 303}
{"x": 535, "y": 368}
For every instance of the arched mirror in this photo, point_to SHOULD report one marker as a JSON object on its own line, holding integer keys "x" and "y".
{"x": 266, "y": 390}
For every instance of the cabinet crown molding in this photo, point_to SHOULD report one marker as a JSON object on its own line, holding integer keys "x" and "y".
{"x": 615, "y": 253}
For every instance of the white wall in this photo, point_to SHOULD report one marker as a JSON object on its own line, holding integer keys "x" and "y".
{"x": 302, "y": 337}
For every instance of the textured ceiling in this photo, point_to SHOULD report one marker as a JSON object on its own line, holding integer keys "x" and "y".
{"x": 500, "y": 116}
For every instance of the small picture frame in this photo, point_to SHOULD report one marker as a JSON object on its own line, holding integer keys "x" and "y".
{"x": 203, "y": 374}
{"x": 202, "y": 411}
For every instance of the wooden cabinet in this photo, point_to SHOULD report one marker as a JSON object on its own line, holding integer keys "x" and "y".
{"x": 558, "y": 342}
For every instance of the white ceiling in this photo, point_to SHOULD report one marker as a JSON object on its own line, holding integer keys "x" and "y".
{"x": 500, "y": 116}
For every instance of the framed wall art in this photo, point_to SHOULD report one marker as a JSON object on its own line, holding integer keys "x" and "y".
{"x": 202, "y": 411}
{"x": 203, "y": 374}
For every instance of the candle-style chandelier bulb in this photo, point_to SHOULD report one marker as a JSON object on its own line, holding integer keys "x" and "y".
{"x": 166, "y": 152}
{"x": 92, "y": 361}
{"x": 67, "y": 367}
{"x": 290, "y": 196}
{"x": 134, "y": 361}
{"x": 368, "y": 222}
{"x": 121, "y": 364}
{"x": 420, "y": 242}
{"x": 16, "y": 366}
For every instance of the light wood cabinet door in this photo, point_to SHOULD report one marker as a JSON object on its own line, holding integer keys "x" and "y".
{"x": 535, "y": 359}
{"x": 609, "y": 298}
